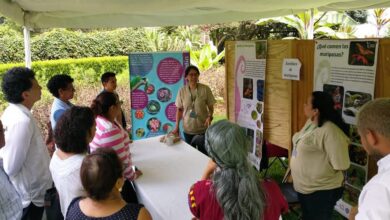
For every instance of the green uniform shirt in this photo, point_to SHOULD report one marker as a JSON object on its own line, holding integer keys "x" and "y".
{"x": 197, "y": 102}
{"x": 318, "y": 158}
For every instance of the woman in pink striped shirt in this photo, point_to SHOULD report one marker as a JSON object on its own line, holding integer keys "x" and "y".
{"x": 110, "y": 134}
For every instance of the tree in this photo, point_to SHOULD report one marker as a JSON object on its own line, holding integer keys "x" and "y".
{"x": 5, "y": 22}
{"x": 173, "y": 38}
{"x": 205, "y": 58}
{"x": 360, "y": 16}
{"x": 161, "y": 41}
{"x": 325, "y": 24}
{"x": 380, "y": 19}
{"x": 248, "y": 30}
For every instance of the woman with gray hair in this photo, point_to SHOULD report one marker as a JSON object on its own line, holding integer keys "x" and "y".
{"x": 233, "y": 192}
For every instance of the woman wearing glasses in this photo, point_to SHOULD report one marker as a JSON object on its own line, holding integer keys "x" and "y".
{"x": 195, "y": 105}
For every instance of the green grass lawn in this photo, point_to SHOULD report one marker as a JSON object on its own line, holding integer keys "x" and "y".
{"x": 219, "y": 117}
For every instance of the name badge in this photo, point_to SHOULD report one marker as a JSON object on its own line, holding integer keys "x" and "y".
{"x": 193, "y": 114}
{"x": 294, "y": 152}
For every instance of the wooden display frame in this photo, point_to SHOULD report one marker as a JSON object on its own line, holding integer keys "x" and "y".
{"x": 284, "y": 99}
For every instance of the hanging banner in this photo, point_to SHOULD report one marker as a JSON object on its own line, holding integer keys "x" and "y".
{"x": 249, "y": 68}
{"x": 155, "y": 79}
{"x": 346, "y": 69}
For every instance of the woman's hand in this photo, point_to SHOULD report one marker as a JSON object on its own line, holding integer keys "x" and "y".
{"x": 353, "y": 213}
{"x": 211, "y": 166}
{"x": 207, "y": 123}
{"x": 175, "y": 131}
{"x": 137, "y": 174}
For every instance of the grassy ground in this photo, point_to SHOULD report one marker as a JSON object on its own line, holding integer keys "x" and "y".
{"x": 218, "y": 118}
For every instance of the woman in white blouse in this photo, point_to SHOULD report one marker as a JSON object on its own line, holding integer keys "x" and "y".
{"x": 73, "y": 132}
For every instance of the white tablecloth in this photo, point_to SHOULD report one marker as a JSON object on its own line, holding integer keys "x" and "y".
{"x": 168, "y": 173}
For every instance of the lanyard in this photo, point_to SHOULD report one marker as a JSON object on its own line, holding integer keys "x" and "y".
{"x": 193, "y": 98}
{"x": 305, "y": 132}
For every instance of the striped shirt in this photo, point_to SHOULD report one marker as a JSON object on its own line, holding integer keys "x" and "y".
{"x": 10, "y": 202}
{"x": 112, "y": 135}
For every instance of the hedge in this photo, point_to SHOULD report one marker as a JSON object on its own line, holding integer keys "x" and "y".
{"x": 64, "y": 44}
{"x": 85, "y": 70}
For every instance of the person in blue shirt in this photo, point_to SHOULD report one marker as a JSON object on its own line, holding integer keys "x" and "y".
{"x": 61, "y": 87}
{"x": 108, "y": 80}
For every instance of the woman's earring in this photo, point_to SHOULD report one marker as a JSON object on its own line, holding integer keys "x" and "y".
{"x": 119, "y": 186}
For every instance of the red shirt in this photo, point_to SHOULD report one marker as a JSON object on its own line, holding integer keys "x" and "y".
{"x": 204, "y": 205}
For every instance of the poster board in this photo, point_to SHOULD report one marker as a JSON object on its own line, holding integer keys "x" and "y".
{"x": 284, "y": 99}
{"x": 250, "y": 66}
{"x": 277, "y": 95}
{"x": 155, "y": 79}
{"x": 346, "y": 69}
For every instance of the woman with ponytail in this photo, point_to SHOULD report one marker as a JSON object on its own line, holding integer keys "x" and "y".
{"x": 110, "y": 134}
{"x": 233, "y": 192}
{"x": 319, "y": 157}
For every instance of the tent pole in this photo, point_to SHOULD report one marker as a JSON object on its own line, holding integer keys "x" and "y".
{"x": 27, "y": 46}
{"x": 310, "y": 31}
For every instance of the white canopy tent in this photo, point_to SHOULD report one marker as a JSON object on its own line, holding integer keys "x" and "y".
{"x": 135, "y": 13}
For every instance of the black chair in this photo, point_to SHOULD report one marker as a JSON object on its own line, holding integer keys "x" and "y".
{"x": 277, "y": 153}
{"x": 290, "y": 194}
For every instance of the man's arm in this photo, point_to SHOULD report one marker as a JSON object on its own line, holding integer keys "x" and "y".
{"x": 374, "y": 202}
{"x": 18, "y": 140}
{"x": 2, "y": 141}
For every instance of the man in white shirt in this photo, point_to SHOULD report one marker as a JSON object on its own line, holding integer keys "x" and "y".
{"x": 10, "y": 202}
{"x": 25, "y": 156}
{"x": 374, "y": 130}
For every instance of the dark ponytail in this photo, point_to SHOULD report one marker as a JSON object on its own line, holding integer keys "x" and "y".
{"x": 103, "y": 102}
{"x": 325, "y": 105}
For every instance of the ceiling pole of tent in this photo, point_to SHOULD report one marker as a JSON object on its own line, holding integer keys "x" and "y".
{"x": 27, "y": 47}
{"x": 310, "y": 29}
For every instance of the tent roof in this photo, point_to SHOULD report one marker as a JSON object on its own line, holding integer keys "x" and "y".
{"x": 133, "y": 13}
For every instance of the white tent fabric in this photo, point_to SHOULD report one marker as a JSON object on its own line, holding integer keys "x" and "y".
{"x": 134, "y": 13}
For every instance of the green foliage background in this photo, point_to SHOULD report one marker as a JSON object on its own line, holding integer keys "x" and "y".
{"x": 85, "y": 71}
{"x": 62, "y": 44}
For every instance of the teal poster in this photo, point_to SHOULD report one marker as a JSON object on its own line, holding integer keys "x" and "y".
{"x": 155, "y": 79}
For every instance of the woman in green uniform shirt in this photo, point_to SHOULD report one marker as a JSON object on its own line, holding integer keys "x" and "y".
{"x": 195, "y": 105}
{"x": 320, "y": 154}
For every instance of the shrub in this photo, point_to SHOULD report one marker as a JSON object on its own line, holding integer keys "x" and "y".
{"x": 57, "y": 44}
{"x": 86, "y": 69}
{"x": 215, "y": 79}
{"x": 11, "y": 49}
{"x": 86, "y": 73}
{"x": 83, "y": 71}
{"x": 63, "y": 44}
{"x": 9, "y": 32}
